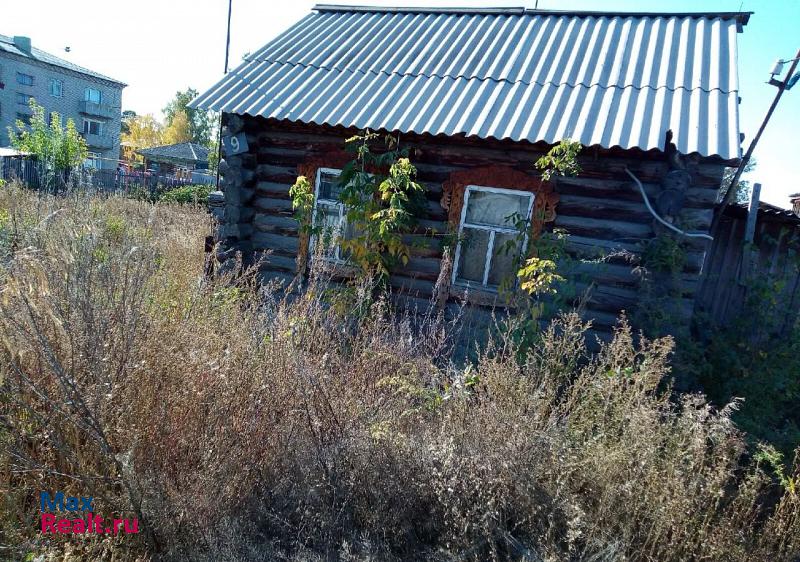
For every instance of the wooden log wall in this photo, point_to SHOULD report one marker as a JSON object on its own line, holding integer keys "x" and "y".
{"x": 602, "y": 209}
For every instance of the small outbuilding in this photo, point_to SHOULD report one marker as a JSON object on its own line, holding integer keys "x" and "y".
{"x": 478, "y": 95}
{"x": 175, "y": 158}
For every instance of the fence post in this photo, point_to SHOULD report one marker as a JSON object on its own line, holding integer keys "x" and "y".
{"x": 748, "y": 251}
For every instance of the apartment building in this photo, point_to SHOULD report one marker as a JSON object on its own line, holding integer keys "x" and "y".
{"x": 92, "y": 100}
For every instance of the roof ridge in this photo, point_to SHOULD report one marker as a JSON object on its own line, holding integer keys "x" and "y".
{"x": 487, "y": 78}
{"x": 521, "y": 10}
{"x": 37, "y": 54}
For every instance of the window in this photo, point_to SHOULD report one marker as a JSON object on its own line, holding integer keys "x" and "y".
{"x": 92, "y": 127}
{"x": 24, "y": 117}
{"x": 489, "y": 235}
{"x": 24, "y": 79}
{"x": 92, "y": 161}
{"x": 330, "y": 216}
{"x": 93, "y": 95}
{"x": 56, "y": 88}
{"x": 23, "y": 98}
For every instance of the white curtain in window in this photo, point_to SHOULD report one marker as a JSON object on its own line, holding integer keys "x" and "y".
{"x": 496, "y": 209}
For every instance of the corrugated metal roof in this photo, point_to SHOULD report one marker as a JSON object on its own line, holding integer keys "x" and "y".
{"x": 7, "y": 45}
{"x": 608, "y": 80}
{"x": 188, "y": 151}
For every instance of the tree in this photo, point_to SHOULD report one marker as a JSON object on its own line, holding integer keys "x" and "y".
{"x": 143, "y": 132}
{"x": 179, "y": 130}
{"x": 127, "y": 116}
{"x": 57, "y": 148}
{"x": 200, "y": 122}
{"x": 213, "y": 153}
{"x": 743, "y": 189}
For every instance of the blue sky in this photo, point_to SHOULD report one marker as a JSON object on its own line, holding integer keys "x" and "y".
{"x": 161, "y": 46}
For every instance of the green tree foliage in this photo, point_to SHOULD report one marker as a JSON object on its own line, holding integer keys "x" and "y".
{"x": 743, "y": 189}
{"x": 381, "y": 206}
{"x": 200, "y": 122}
{"x": 57, "y": 148}
{"x": 561, "y": 160}
{"x": 127, "y": 116}
{"x": 538, "y": 274}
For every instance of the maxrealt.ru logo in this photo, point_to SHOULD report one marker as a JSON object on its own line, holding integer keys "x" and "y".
{"x": 86, "y": 523}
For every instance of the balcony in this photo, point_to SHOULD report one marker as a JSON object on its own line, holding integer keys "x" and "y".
{"x": 98, "y": 110}
{"x": 98, "y": 141}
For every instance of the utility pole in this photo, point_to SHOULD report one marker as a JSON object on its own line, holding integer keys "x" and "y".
{"x": 728, "y": 197}
{"x": 227, "y": 54}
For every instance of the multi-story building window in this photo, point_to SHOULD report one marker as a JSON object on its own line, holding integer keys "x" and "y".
{"x": 92, "y": 127}
{"x": 92, "y": 161}
{"x": 24, "y": 79}
{"x": 93, "y": 95}
{"x": 56, "y": 88}
{"x": 23, "y": 98}
{"x": 24, "y": 117}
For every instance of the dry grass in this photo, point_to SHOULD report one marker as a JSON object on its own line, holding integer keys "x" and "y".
{"x": 240, "y": 426}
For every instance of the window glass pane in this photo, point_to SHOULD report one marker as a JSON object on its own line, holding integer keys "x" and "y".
{"x": 328, "y": 225}
{"x": 472, "y": 256}
{"x": 92, "y": 95}
{"x": 496, "y": 209}
{"x": 506, "y": 250}
{"x": 329, "y": 186}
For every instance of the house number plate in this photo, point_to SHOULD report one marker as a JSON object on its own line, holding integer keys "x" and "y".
{"x": 235, "y": 144}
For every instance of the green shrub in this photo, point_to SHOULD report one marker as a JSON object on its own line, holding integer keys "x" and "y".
{"x": 196, "y": 194}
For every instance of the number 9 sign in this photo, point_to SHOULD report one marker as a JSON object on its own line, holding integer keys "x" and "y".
{"x": 235, "y": 144}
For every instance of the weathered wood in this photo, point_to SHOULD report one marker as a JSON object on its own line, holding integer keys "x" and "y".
{"x": 275, "y": 242}
{"x": 615, "y": 230}
{"x": 602, "y": 210}
{"x": 727, "y": 274}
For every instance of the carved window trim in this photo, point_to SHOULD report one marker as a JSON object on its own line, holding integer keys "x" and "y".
{"x": 504, "y": 177}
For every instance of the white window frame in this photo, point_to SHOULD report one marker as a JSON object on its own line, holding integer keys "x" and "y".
{"x": 337, "y": 254}
{"x": 100, "y": 126}
{"x": 94, "y": 158}
{"x": 53, "y": 82}
{"x": 487, "y": 264}
{"x": 87, "y": 97}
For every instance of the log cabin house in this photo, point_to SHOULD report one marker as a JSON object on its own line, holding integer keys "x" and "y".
{"x": 478, "y": 95}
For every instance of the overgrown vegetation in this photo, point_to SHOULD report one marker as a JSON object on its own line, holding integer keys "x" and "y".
{"x": 755, "y": 359}
{"x": 382, "y": 201}
{"x": 195, "y": 194}
{"x": 58, "y": 148}
{"x": 192, "y": 193}
{"x": 238, "y": 425}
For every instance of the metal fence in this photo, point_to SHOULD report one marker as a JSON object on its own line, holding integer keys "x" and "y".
{"x": 28, "y": 172}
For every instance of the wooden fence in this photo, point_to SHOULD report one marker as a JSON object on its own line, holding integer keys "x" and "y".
{"x": 736, "y": 270}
